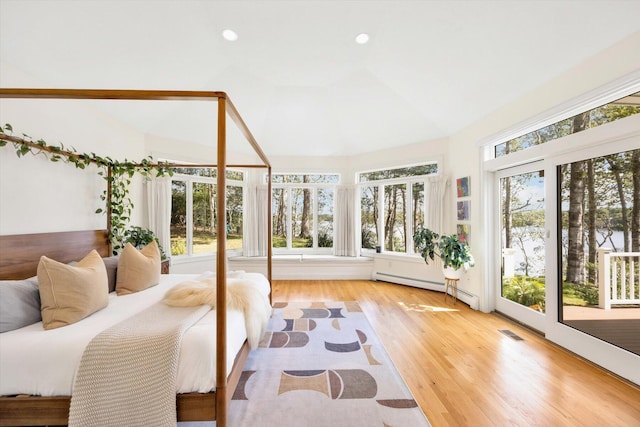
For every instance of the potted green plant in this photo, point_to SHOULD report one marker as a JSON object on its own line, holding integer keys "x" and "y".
{"x": 455, "y": 255}
{"x": 140, "y": 237}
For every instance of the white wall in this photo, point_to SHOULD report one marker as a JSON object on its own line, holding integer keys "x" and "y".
{"x": 614, "y": 63}
{"x": 37, "y": 195}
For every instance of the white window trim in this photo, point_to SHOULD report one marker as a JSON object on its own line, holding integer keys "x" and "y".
{"x": 274, "y": 174}
{"x": 380, "y": 184}
{"x": 437, "y": 163}
{"x": 314, "y": 186}
{"x": 189, "y": 180}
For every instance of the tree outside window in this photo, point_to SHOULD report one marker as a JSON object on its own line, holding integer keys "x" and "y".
{"x": 402, "y": 207}
{"x": 193, "y": 211}
{"x": 302, "y": 210}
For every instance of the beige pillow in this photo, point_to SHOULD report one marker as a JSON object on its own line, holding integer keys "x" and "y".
{"x": 71, "y": 293}
{"x": 138, "y": 269}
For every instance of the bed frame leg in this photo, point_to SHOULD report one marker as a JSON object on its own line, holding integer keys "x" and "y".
{"x": 221, "y": 407}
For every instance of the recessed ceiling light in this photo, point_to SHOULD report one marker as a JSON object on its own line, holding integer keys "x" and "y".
{"x": 362, "y": 38}
{"x": 230, "y": 35}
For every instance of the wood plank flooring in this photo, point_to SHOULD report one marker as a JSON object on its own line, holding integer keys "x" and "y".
{"x": 464, "y": 372}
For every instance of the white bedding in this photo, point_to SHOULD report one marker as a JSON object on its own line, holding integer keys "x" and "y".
{"x": 35, "y": 361}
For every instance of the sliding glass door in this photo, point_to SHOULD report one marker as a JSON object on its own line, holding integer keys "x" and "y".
{"x": 600, "y": 247}
{"x": 521, "y": 290}
{"x": 564, "y": 240}
{"x": 596, "y": 233}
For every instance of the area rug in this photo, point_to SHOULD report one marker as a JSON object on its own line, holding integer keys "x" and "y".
{"x": 321, "y": 364}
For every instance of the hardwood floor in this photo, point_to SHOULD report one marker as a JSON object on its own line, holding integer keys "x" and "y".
{"x": 464, "y": 372}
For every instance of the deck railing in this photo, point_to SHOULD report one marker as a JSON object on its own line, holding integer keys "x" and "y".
{"x": 618, "y": 278}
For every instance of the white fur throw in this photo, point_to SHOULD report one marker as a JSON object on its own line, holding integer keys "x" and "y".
{"x": 241, "y": 295}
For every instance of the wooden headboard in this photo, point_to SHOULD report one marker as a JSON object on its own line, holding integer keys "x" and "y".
{"x": 20, "y": 253}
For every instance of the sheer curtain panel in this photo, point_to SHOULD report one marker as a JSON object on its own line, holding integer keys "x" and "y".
{"x": 345, "y": 230}
{"x": 159, "y": 210}
{"x": 255, "y": 243}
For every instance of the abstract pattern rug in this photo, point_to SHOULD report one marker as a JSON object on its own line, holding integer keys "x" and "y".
{"x": 321, "y": 364}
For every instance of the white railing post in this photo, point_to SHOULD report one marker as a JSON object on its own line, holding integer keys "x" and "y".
{"x": 617, "y": 278}
{"x": 632, "y": 279}
{"x": 604, "y": 278}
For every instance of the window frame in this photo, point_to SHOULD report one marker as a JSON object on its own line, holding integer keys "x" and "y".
{"x": 189, "y": 180}
{"x": 314, "y": 187}
{"x": 409, "y": 181}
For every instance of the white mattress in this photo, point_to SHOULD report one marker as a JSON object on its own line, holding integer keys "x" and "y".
{"x": 38, "y": 362}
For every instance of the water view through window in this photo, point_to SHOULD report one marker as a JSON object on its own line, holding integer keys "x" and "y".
{"x": 522, "y": 239}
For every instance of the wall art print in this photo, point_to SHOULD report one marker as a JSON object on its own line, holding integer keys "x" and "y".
{"x": 463, "y": 210}
{"x": 463, "y": 232}
{"x": 462, "y": 184}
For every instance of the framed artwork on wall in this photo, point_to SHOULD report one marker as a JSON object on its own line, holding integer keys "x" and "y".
{"x": 463, "y": 232}
{"x": 463, "y": 210}
{"x": 462, "y": 184}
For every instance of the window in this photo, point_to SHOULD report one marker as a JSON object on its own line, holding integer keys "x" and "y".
{"x": 417, "y": 206}
{"x": 193, "y": 211}
{"x": 369, "y": 216}
{"x": 403, "y": 172}
{"x": 600, "y": 244}
{"x": 178, "y": 217}
{"x": 619, "y": 109}
{"x": 395, "y": 217}
{"x": 302, "y": 210}
{"x": 280, "y": 178}
{"x": 399, "y": 194}
{"x": 522, "y": 215}
{"x": 203, "y": 230}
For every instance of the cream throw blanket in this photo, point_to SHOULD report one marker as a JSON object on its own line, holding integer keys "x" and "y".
{"x": 127, "y": 375}
{"x": 242, "y": 295}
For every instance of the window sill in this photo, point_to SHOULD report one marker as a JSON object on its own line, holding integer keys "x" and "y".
{"x": 397, "y": 256}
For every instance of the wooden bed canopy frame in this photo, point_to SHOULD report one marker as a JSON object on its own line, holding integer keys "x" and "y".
{"x": 19, "y": 256}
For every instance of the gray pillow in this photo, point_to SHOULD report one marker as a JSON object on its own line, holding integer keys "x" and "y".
{"x": 19, "y": 303}
{"x": 111, "y": 263}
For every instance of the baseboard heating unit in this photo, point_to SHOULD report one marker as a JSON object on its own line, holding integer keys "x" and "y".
{"x": 463, "y": 295}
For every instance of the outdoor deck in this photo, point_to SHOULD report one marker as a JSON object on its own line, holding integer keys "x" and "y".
{"x": 594, "y": 313}
{"x": 619, "y": 325}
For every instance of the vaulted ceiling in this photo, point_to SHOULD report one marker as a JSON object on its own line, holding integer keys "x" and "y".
{"x": 301, "y": 82}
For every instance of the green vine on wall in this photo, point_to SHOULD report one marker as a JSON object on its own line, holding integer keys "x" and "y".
{"x": 117, "y": 174}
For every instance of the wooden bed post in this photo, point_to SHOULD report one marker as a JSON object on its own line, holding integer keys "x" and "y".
{"x": 221, "y": 273}
{"x": 108, "y": 201}
{"x": 269, "y": 236}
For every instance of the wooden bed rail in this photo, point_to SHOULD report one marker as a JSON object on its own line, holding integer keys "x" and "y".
{"x": 54, "y": 411}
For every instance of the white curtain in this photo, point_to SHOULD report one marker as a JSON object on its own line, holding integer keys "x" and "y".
{"x": 344, "y": 222}
{"x": 255, "y": 242}
{"x": 159, "y": 210}
{"x": 436, "y": 187}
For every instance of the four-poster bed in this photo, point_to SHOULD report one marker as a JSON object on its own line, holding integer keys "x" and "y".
{"x": 19, "y": 256}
